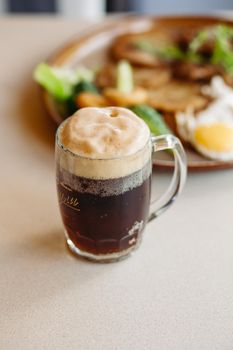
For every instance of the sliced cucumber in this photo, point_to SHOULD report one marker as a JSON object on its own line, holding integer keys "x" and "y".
{"x": 152, "y": 118}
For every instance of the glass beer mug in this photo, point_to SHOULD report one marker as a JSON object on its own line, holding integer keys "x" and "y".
{"x": 105, "y": 202}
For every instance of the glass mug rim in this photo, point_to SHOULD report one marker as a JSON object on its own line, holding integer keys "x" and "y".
{"x": 77, "y": 155}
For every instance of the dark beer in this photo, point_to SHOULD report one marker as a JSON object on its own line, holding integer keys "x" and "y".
{"x": 104, "y": 216}
{"x": 103, "y": 158}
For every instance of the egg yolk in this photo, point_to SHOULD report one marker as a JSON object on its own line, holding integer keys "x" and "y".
{"x": 216, "y": 137}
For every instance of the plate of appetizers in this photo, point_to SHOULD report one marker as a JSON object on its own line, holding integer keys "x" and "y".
{"x": 176, "y": 73}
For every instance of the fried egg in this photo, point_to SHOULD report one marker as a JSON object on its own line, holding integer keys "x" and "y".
{"x": 210, "y": 131}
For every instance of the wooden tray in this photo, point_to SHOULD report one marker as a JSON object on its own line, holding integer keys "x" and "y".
{"x": 91, "y": 48}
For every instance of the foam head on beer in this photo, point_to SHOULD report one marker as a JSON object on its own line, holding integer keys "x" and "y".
{"x": 104, "y": 135}
{"x": 103, "y": 178}
{"x": 104, "y": 132}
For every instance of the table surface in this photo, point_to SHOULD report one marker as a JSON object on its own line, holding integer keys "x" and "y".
{"x": 175, "y": 292}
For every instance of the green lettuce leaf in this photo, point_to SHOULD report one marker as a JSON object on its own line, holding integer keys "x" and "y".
{"x": 60, "y": 82}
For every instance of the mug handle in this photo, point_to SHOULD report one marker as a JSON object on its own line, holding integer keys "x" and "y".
{"x": 161, "y": 143}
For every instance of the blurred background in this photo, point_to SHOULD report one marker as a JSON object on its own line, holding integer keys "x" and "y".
{"x": 98, "y": 8}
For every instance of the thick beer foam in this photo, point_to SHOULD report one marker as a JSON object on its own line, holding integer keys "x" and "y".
{"x": 106, "y": 143}
{"x": 104, "y": 133}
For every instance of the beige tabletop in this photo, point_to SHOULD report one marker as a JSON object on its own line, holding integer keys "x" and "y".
{"x": 174, "y": 293}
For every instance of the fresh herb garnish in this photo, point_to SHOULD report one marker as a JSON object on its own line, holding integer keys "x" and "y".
{"x": 222, "y": 54}
{"x": 200, "y": 39}
{"x": 169, "y": 53}
{"x": 172, "y": 53}
{"x": 147, "y": 46}
{"x": 221, "y": 36}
